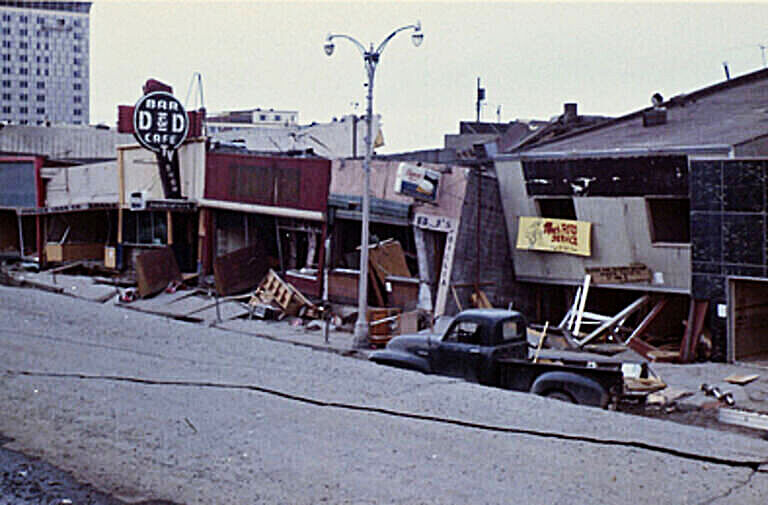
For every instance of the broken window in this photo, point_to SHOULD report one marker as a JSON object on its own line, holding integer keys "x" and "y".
{"x": 556, "y": 208}
{"x": 299, "y": 245}
{"x": 145, "y": 228}
{"x": 669, "y": 220}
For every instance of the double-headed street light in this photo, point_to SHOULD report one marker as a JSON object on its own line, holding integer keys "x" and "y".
{"x": 371, "y": 58}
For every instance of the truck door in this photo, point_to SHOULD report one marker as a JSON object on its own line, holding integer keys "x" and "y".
{"x": 457, "y": 355}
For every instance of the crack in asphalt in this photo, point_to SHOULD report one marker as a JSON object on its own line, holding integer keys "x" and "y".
{"x": 753, "y": 465}
{"x": 731, "y": 489}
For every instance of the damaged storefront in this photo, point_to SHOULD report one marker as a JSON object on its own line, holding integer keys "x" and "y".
{"x": 149, "y": 222}
{"x": 604, "y": 244}
{"x": 263, "y": 213}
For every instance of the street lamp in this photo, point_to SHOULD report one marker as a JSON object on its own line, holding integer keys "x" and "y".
{"x": 371, "y": 59}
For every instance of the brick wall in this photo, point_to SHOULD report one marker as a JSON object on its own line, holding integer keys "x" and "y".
{"x": 495, "y": 262}
{"x": 729, "y": 234}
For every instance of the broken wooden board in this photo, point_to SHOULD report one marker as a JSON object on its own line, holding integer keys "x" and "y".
{"x": 274, "y": 290}
{"x": 402, "y": 292}
{"x": 741, "y": 380}
{"x": 666, "y": 396}
{"x": 619, "y": 275}
{"x": 155, "y": 270}
{"x": 480, "y": 301}
{"x": 240, "y": 270}
{"x": 388, "y": 258}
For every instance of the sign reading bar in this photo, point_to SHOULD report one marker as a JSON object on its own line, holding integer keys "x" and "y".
{"x": 554, "y": 235}
{"x": 160, "y": 123}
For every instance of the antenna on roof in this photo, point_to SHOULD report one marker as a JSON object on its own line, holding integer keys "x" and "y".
{"x": 197, "y": 77}
{"x": 727, "y": 73}
{"x": 762, "y": 52}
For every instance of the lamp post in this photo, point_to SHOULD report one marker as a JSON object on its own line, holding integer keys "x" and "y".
{"x": 371, "y": 59}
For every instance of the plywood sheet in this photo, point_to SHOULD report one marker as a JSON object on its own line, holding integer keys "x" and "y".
{"x": 155, "y": 270}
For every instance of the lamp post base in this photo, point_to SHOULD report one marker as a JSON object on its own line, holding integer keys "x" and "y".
{"x": 361, "y": 334}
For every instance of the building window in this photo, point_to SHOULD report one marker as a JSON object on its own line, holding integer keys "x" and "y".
{"x": 6, "y": 31}
{"x": 77, "y": 23}
{"x": 77, "y": 61}
{"x": 556, "y": 208}
{"x": 7, "y": 44}
{"x": 24, "y": 110}
{"x": 6, "y": 17}
{"x": 23, "y": 97}
{"x": 40, "y": 98}
{"x": 6, "y": 109}
{"x": 23, "y": 71}
{"x": 6, "y": 57}
{"x": 24, "y": 32}
{"x": 263, "y": 117}
{"x": 145, "y": 228}
{"x": 40, "y": 85}
{"x": 77, "y": 73}
{"x": 40, "y": 21}
{"x": 277, "y": 117}
{"x": 6, "y": 70}
{"x": 78, "y": 112}
{"x": 40, "y": 110}
{"x": 23, "y": 19}
{"x": 77, "y": 86}
{"x": 6, "y": 96}
{"x": 23, "y": 84}
{"x": 23, "y": 57}
{"x": 77, "y": 99}
{"x": 669, "y": 220}
{"x": 23, "y": 45}
{"x": 76, "y": 49}
{"x": 6, "y": 84}
{"x": 78, "y": 35}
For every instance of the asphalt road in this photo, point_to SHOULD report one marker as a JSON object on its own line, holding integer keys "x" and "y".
{"x": 146, "y": 408}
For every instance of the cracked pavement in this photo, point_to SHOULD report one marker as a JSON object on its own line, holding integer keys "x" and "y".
{"x": 372, "y": 435}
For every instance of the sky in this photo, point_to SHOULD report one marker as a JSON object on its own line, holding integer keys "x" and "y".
{"x": 531, "y": 57}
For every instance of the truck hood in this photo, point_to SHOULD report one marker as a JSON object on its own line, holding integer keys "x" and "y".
{"x": 411, "y": 342}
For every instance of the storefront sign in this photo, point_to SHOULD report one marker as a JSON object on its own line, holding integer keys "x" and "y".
{"x": 160, "y": 124}
{"x": 417, "y": 181}
{"x": 554, "y": 235}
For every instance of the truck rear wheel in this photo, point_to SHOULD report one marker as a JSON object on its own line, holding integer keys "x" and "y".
{"x": 560, "y": 395}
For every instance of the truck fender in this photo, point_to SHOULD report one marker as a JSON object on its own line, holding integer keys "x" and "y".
{"x": 401, "y": 360}
{"x": 583, "y": 390}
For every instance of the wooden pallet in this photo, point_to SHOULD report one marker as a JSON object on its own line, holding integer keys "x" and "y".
{"x": 274, "y": 290}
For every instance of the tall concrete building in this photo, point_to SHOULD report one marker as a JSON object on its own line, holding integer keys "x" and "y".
{"x": 44, "y": 62}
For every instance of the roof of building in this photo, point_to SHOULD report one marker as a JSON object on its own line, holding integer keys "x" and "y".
{"x": 728, "y": 113}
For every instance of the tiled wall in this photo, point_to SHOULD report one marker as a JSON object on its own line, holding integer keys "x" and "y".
{"x": 729, "y": 234}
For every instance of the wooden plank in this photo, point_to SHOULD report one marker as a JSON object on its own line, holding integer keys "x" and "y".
{"x": 582, "y": 304}
{"x": 741, "y": 380}
{"x": 240, "y": 270}
{"x": 155, "y": 270}
{"x": 632, "y": 307}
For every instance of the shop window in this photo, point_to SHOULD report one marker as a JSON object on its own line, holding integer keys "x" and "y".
{"x": 669, "y": 220}
{"x": 145, "y": 228}
{"x": 556, "y": 208}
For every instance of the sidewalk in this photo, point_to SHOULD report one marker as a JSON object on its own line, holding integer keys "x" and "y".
{"x": 684, "y": 382}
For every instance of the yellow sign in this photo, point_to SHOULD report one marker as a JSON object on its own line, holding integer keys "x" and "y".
{"x": 555, "y": 235}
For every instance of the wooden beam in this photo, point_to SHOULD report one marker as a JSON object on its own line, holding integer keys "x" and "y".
{"x": 582, "y": 304}
{"x": 632, "y": 307}
{"x": 647, "y": 320}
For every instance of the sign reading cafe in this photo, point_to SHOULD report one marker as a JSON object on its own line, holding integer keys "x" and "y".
{"x": 160, "y": 124}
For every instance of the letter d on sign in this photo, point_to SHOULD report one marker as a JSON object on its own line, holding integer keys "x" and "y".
{"x": 145, "y": 120}
{"x": 178, "y": 123}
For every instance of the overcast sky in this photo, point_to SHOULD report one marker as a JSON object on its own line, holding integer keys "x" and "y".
{"x": 531, "y": 57}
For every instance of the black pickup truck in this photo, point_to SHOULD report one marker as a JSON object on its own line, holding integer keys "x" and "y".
{"x": 490, "y": 346}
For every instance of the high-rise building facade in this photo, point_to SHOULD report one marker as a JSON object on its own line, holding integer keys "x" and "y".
{"x": 44, "y": 62}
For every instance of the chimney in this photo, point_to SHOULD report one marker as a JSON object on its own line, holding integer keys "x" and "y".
{"x": 658, "y": 114}
{"x": 570, "y": 113}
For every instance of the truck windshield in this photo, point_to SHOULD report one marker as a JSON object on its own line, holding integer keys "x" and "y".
{"x": 510, "y": 329}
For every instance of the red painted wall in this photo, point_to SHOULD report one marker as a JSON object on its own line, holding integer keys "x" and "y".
{"x": 284, "y": 182}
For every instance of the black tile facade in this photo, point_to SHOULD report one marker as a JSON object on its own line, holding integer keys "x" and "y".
{"x": 729, "y": 232}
